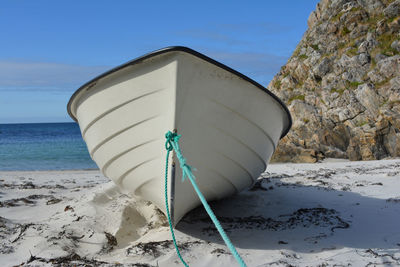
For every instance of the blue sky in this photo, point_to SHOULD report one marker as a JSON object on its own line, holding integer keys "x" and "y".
{"x": 49, "y": 48}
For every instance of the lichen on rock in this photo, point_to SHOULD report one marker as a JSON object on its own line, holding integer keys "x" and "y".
{"x": 342, "y": 84}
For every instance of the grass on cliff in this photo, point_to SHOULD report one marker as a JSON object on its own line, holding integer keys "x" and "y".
{"x": 361, "y": 123}
{"x": 393, "y": 19}
{"x": 382, "y": 83}
{"x": 315, "y": 47}
{"x": 303, "y": 56}
{"x": 296, "y": 97}
{"x": 339, "y": 91}
{"x": 340, "y": 14}
{"x": 277, "y": 84}
{"x": 337, "y": 16}
{"x": 385, "y": 42}
{"x": 353, "y": 85}
{"x": 344, "y": 31}
{"x": 373, "y": 21}
{"x": 352, "y": 51}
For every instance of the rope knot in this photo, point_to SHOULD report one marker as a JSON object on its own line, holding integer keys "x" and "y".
{"x": 170, "y": 136}
{"x": 171, "y": 144}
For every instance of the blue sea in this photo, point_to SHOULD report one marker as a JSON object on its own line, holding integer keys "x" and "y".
{"x": 43, "y": 146}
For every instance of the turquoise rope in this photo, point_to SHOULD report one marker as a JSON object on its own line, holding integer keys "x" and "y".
{"x": 172, "y": 142}
{"x": 169, "y": 149}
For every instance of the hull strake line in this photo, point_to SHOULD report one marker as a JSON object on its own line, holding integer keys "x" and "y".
{"x": 115, "y": 108}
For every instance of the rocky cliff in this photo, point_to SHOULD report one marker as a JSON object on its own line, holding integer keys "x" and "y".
{"x": 342, "y": 84}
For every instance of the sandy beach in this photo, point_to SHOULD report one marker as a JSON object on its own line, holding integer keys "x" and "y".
{"x": 335, "y": 213}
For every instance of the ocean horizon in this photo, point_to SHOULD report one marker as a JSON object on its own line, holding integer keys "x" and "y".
{"x": 43, "y": 146}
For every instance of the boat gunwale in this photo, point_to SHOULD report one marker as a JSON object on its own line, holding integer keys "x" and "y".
{"x": 170, "y": 49}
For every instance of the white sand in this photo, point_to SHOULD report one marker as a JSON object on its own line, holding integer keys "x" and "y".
{"x": 335, "y": 213}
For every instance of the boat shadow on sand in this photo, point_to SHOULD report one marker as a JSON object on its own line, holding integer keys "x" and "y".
{"x": 297, "y": 216}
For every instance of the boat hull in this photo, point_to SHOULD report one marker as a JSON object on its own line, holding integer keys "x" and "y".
{"x": 229, "y": 127}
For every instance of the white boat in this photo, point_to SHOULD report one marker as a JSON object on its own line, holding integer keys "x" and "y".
{"x": 230, "y": 126}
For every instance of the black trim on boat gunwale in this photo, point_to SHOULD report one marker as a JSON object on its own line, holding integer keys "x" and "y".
{"x": 189, "y": 51}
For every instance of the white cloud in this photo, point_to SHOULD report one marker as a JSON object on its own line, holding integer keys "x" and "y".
{"x": 44, "y": 76}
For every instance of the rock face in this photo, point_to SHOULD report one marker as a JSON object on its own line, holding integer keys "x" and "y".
{"x": 342, "y": 84}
